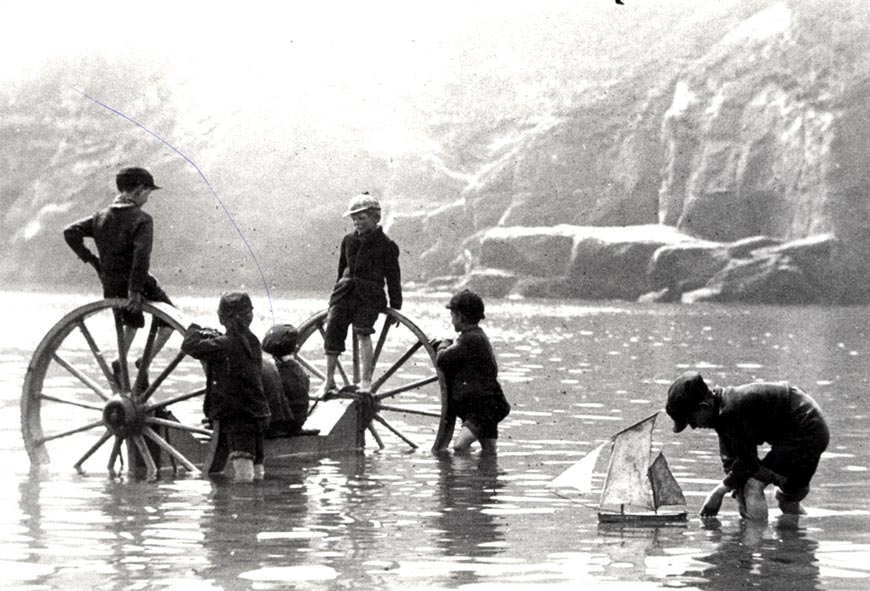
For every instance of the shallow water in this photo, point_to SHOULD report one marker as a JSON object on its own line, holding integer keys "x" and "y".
{"x": 396, "y": 519}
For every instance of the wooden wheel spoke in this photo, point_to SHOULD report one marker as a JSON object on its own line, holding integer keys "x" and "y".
{"x": 165, "y": 446}
{"x": 69, "y": 432}
{"x": 382, "y": 338}
{"x": 58, "y": 411}
{"x": 406, "y": 387}
{"x": 308, "y": 365}
{"x": 395, "y": 431}
{"x": 103, "y": 439}
{"x": 176, "y": 425}
{"x": 399, "y": 363}
{"x": 142, "y": 370}
{"x": 98, "y": 355}
{"x": 410, "y": 411}
{"x": 145, "y": 454}
{"x": 71, "y": 402}
{"x": 174, "y": 400}
{"x": 376, "y": 436}
{"x": 98, "y": 390}
{"x": 122, "y": 351}
{"x": 163, "y": 375}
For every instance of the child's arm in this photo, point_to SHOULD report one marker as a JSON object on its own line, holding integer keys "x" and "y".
{"x": 393, "y": 275}
{"x": 450, "y": 354}
{"x": 75, "y": 235}
{"x": 201, "y": 343}
{"x": 342, "y": 259}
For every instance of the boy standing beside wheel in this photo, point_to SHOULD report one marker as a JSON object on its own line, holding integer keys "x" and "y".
{"x": 368, "y": 260}
{"x": 471, "y": 372}
{"x": 123, "y": 235}
{"x": 234, "y": 387}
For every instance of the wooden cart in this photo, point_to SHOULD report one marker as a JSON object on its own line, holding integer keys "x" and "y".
{"x": 84, "y": 396}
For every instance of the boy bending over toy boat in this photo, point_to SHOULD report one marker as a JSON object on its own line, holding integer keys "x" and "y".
{"x": 745, "y": 417}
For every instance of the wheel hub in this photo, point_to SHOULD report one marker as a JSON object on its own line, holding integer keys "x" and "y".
{"x": 123, "y": 416}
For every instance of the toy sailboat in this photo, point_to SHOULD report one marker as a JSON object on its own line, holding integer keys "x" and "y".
{"x": 637, "y": 489}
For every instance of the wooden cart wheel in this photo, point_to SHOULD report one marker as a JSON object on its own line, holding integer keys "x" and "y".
{"x": 87, "y": 392}
{"x": 405, "y": 379}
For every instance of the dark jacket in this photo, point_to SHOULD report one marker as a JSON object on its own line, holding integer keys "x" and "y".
{"x": 469, "y": 367}
{"x": 296, "y": 384}
{"x": 234, "y": 386}
{"x": 366, "y": 262}
{"x": 775, "y": 413}
{"x": 123, "y": 237}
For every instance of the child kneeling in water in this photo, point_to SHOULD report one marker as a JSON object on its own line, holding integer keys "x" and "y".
{"x": 471, "y": 372}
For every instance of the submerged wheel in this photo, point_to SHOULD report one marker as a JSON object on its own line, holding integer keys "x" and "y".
{"x": 90, "y": 388}
{"x": 404, "y": 369}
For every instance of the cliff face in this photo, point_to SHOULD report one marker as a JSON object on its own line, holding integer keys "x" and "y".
{"x": 764, "y": 133}
{"x": 736, "y": 127}
{"x": 768, "y": 134}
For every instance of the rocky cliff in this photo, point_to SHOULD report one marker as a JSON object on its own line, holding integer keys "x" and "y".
{"x": 763, "y": 136}
{"x": 719, "y": 153}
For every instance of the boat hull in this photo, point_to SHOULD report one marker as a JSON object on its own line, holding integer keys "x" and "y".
{"x": 645, "y": 518}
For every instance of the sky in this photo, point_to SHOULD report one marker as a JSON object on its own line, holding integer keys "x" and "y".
{"x": 378, "y": 65}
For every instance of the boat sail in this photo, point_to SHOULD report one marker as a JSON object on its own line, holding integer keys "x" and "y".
{"x": 636, "y": 487}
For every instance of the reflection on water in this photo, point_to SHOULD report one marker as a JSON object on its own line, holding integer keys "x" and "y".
{"x": 756, "y": 555}
{"x": 395, "y": 519}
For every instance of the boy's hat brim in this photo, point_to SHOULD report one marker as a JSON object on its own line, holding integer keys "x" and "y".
{"x": 360, "y": 203}
{"x": 136, "y": 175}
{"x": 684, "y": 396}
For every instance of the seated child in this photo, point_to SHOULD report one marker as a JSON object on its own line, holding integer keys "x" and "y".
{"x": 234, "y": 386}
{"x": 280, "y": 342}
{"x": 471, "y": 372}
{"x": 367, "y": 261}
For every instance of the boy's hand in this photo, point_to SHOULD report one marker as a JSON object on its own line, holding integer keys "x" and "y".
{"x": 713, "y": 502}
{"x": 134, "y": 304}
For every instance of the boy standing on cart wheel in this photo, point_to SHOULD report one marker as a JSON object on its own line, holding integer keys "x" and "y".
{"x": 367, "y": 261}
{"x": 123, "y": 235}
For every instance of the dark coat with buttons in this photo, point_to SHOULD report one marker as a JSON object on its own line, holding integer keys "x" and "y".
{"x": 234, "y": 365}
{"x": 365, "y": 264}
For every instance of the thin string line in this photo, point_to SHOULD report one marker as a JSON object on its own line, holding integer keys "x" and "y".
{"x": 207, "y": 184}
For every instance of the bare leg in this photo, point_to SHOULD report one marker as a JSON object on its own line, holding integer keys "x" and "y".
{"x": 751, "y": 501}
{"x": 163, "y": 334}
{"x": 367, "y": 353}
{"x": 789, "y": 507}
{"x": 464, "y": 440}
{"x": 488, "y": 446}
{"x": 331, "y": 363}
{"x": 129, "y": 335}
